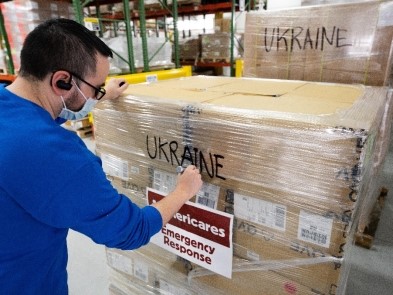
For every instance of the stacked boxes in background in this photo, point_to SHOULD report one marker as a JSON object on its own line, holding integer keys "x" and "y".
{"x": 156, "y": 4}
{"x": 217, "y": 47}
{"x": 82, "y": 127}
{"x": 328, "y": 43}
{"x": 159, "y": 52}
{"x": 22, "y": 16}
{"x": 343, "y": 43}
{"x": 189, "y": 49}
{"x": 290, "y": 159}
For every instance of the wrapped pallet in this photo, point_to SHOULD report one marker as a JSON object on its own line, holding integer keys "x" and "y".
{"x": 189, "y": 49}
{"x": 289, "y": 159}
{"x": 340, "y": 43}
{"x": 216, "y": 47}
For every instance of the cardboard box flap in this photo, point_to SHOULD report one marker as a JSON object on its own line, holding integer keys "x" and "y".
{"x": 354, "y": 106}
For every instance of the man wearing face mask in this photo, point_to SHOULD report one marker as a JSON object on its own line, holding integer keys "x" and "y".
{"x": 49, "y": 180}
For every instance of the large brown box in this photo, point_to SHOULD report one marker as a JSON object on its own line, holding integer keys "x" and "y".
{"x": 341, "y": 43}
{"x": 293, "y": 149}
{"x": 146, "y": 270}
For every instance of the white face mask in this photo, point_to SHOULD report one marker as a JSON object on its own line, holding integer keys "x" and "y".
{"x": 72, "y": 115}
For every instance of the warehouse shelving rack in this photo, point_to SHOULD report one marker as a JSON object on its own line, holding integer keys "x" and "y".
{"x": 128, "y": 16}
{"x": 10, "y": 70}
{"x": 142, "y": 15}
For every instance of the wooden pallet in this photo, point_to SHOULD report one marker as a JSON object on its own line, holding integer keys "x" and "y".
{"x": 365, "y": 239}
{"x": 84, "y": 132}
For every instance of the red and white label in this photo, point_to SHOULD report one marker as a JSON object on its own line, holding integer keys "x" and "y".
{"x": 199, "y": 234}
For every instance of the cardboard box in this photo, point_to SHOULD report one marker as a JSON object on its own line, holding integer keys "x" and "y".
{"x": 340, "y": 43}
{"x": 295, "y": 259}
{"x": 151, "y": 269}
{"x": 299, "y": 147}
{"x": 324, "y": 156}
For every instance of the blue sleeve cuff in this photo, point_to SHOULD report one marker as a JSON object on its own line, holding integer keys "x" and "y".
{"x": 155, "y": 218}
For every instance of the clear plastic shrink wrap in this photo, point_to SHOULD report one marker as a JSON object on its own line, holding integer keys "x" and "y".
{"x": 340, "y": 43}
{"x": 159, "y": 52}
{"x": 372, "y": 185}
{"x": 290, "y": 159}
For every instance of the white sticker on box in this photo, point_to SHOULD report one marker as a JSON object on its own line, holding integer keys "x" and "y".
{"x": 208, "y": 195}
{"x": 141, "y": 271}
{"x": 261, "y": 212}
{"x": 163, "y": 181}
{"x": 315, "y": 229}
{"x": 115, "y": 166}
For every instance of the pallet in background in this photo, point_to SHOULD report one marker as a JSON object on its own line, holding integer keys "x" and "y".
{"x": 365, "y": 239}
{"x": 83, "y": 127}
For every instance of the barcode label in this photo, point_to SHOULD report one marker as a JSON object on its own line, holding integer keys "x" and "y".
{"x": 163, "y": 181}
{"x": 208, "y": 195}
{"x": 205, "y": 201}
{"x": 115, "y": 166}
{"x": 280, "y": 217}
{"x": 259, "y": 211}
{"x": 315, "y": 229}
{"x": 318, "y": 238}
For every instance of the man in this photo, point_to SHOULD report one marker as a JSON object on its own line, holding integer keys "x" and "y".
{"x": 49, "y": 180}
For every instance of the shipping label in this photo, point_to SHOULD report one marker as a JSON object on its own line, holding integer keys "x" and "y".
{"x": 260, "y": 212}
{"x": 163, "y": 181}
{"x": 208, "y": 195}
{"x": 166, "y": 182}
{"x": 315, "y": 229}
{"x": 115, "y": 166}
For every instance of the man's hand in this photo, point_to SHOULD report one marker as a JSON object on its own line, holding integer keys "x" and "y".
{"x": 188, "y": 184}
{"x": 114, "y": 87}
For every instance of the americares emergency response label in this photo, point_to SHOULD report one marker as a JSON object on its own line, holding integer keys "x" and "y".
{"x": 199, "y": 234}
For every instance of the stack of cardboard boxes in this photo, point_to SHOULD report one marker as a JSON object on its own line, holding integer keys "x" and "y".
{"x": 343, "y": 43}
{"x": 216, "y": 47}
{"x": 22, "y": 16}
{"x": 289, "y": 159}
{"x": 340, "y": 43}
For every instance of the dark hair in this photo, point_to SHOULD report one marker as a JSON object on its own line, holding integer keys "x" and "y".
{"x": 60, "y": 44}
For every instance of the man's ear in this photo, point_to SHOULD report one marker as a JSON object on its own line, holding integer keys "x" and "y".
{"x": 61, "y": 80}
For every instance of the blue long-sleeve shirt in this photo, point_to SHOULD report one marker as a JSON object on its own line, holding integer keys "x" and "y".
{"x": 50, "y": 182}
